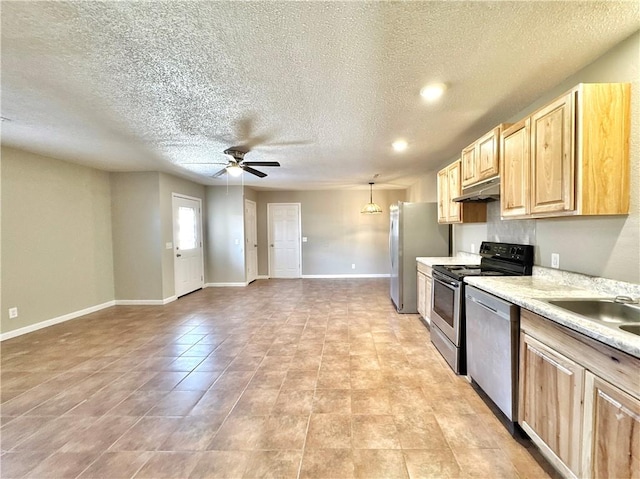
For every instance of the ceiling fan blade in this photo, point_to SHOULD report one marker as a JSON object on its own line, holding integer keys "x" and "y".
{"x": 219, "y": 173}
{"x": 248, "y": 169}
{"x": 261, "y": 163}
{"x": 206, "y": 163}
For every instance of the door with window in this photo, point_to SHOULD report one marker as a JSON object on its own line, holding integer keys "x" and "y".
{"x": 285, "y": 259}
{"x": 187, "y": 244}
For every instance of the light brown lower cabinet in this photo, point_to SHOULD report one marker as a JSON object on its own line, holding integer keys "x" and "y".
{"x": 551, "y": 397}
{"x": 579, "y": 401}
{"x": 424, "y": 291}
{"x": 422, "y": 281}
{"x": 611, "y": 430}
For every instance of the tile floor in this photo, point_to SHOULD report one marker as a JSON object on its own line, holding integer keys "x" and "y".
{"x": 284, "y": 378}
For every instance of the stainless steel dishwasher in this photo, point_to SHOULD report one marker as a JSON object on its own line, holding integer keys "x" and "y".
{"x": 492, "y": 350}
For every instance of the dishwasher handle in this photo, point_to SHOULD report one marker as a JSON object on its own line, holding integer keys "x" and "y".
{"x": 477, "y": 301}
{"x": 504, "y": 312}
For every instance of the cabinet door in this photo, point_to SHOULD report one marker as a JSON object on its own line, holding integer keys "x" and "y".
{"x": 469, "y": 166}
{"x": 421, "y": 294}
{"x": 550, "y": 402}
{"x": 488, "y": 159}
{"x": 453, "y": 213}
{"x": 552, "y": 158}
{"x": 443, "y": 195}
{"x": 427, "y": 298}
{"x": 611, "y": 431}
{"x": 514, "y": 165}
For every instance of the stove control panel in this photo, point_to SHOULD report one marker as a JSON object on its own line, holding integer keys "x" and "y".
{"x": 507, "y": 251}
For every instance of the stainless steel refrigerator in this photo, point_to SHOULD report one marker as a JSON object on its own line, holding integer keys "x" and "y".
{"x": 414, "y": 232}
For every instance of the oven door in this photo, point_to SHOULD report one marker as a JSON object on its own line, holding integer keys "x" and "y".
{"x": 445, "y": 306}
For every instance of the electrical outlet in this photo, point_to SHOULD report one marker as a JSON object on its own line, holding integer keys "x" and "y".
{"x": 555, "y": 260}
{"x": 473, "y": 247}
{"x": 353, "y": 266}
{"x": 13, "y": 313}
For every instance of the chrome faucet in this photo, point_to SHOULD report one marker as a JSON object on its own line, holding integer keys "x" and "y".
{"x": 625, "y": 300}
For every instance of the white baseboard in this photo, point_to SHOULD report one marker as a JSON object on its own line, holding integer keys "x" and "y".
{"x": 224, "y": 285}
{"x": 145, "y": 302}
{"x": 52, "y": 321}
{"x": 343, "y": 276}
{"x": 264, "y": 276}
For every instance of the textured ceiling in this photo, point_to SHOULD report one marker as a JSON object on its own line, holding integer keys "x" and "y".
{"x": 321, "y": 87}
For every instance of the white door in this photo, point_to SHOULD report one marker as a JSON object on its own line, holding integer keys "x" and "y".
{"x": 187, "y": 244}
{"x": 251, "y": 239}
{"x": 285, "y": 259}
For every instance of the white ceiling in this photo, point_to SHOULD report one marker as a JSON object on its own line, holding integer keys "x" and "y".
{"x": 322, "y": 87}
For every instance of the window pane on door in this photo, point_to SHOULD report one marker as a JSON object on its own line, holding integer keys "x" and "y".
{"x": 186, "y": 228}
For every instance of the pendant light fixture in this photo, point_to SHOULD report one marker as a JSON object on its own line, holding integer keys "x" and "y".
{"x": 371, "y": 208}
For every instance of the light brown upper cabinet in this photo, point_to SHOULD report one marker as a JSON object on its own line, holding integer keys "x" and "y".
{"x": 481, "y": 159}
{"x": 514, "y": 183}
{"x": 570, "y": 157}
{"x": 449, "y": 187}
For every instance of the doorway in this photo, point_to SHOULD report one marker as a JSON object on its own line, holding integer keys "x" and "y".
{"x": 188, "y": 259}
{"x": 285, "y": 245}
{"x": 251, "y": 240}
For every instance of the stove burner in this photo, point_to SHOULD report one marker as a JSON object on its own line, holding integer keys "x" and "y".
{"x": 498, "y": 259}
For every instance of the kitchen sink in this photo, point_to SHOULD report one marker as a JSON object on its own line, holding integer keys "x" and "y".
{"x": 623, "y": 316}
{"x": 605, "y": 310}
{"x": 631, "y": 328}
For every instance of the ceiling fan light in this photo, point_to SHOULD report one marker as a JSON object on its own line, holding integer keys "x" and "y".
{"x": 234, "y": 170}
{"x": 371, "y": 208}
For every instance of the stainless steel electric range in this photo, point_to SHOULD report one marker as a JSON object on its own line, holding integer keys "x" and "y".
{"x": 448, "y": 331}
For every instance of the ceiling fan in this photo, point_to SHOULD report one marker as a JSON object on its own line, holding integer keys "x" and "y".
{"x": 237, "y": 164}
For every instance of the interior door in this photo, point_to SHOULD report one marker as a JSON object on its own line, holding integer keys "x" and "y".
{"x": 187, "y": 244}
{"x": 285, "y": 259}
{"x": 251, "y": 240}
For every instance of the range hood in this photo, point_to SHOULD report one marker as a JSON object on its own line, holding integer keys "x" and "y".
{"x": 488, "y": 190}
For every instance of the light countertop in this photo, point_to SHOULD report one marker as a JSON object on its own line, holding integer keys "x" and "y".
{"x": 526, "y": 292}
{"x": 459, "y": 259}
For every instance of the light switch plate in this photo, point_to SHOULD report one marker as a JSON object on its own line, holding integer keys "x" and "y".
{"x": 13, "y": 313}
{"x": 555, "y": 260}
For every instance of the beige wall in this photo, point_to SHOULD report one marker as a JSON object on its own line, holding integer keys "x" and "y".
{"x": 338, "y": 234}
{"x": 424, "y": 189}
{"x": 57, "y": 242}
{"x": 225, "y": 235}
{"x": 137, "y": 239}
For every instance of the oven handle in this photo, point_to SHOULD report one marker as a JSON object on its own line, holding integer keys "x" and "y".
{"x": 445, "y": 282}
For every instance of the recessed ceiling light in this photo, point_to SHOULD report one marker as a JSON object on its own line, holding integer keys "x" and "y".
{"x": 399, "y": 145}
{"x": 433, "y": 92}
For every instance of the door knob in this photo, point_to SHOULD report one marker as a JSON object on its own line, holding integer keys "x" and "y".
{"x": 271, "y": 245}
{"x": 255, "y": 245}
